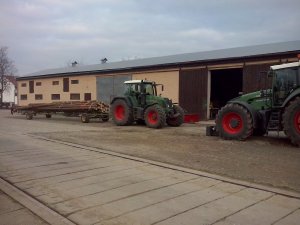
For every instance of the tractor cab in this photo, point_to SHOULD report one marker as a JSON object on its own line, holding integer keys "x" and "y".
{"x": 134, "y": 87}
{"x": 285, "y": 81}
{"x": 143, "y": 92}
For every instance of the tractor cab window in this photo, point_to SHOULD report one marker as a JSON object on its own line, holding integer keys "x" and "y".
{"x": 149, "y": 89}
{"x": 133, "y": 88}
{"x": 285, "y": 80}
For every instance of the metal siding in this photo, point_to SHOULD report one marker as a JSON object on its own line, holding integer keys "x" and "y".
{"x": 119, "y": 84}
{"x": 193, "y": 91}
{"x": 109, "y": 87}
{"x": 254, "y": 79}
{"x": 105, "y": 88}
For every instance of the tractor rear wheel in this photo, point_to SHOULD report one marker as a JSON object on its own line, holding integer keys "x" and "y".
{"x": 122, "y": 114}
{"x": 291, "y": 121}
{"x": 155, "y": 117}
{"x": 234, "y": 122}
{"x": 177, "y": 121}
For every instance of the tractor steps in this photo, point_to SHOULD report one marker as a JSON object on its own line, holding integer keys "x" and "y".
{"x": 274, "y": 121}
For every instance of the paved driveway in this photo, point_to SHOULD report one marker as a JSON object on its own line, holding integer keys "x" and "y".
{"x": 90, "y": 186}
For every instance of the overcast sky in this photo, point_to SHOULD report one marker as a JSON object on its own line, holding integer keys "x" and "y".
{"x": 44, "y": 34}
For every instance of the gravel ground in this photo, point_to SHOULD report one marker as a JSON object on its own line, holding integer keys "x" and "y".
{"x": 269, "y": 160}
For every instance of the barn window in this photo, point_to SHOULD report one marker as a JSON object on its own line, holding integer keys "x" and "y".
{"x": 87, "y": 96}
{"x": 38, "y": 97}
{"x": 23, "y": 85}
{"x": 74, "y": 81}
{"x": 23, "y": 97}
{"x": 75, "y": 96}
{"x": 55, "y": 82}
{"x": 55, "y": 96}
{"x": 38, "y": 83}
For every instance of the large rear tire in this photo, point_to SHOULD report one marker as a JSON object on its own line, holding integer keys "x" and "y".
{"x": 177, "y": 121}
{"x": 291, "y": 121}
{"x": 121, "y": 113}
{"x": 233, "y": 121}
{"x": 155, "y": 117}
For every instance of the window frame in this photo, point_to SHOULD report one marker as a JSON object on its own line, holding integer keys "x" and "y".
{"x": 74, "y": 94}
{"x": 38, "y": 95}
{"x": 55, "y": 98}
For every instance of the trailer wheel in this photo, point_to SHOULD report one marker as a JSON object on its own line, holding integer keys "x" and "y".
{"x": 85, "y": 118}
{"x": 177, "y": 121}
{"x": 234, "y": 122}
{"x": 48, "y": 115}
{"x": 29, "y": 116}
{"x": 105, "y": 118}
{"x": 122, "y": 114}
{"x": 155, "y": 116}
{"x": 291, "y": 121}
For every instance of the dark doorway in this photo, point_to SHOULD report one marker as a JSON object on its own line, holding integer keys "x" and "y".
{"x": 66, "y": 84}
{"x": 31, "y": 86}
{"x": 87, "y": 96}
{"x": 225, "y": 85}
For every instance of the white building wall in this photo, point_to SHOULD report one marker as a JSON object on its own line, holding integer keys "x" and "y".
{"x": 9, "y": 94}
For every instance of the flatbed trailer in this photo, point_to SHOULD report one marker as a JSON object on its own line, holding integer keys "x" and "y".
{"x": 86, "y": 110}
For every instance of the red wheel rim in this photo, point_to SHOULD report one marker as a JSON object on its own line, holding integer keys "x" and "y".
{"x": 232, "y": 123}
{"x": 152, "y": 117}
{"x": 119, "y": 112}
{"x": 297, "y": 122}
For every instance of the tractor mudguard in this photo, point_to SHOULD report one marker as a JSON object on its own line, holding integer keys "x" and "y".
{"x": 127, "y": 100}
{"x": 294, "y": 94}
{"x": 253, "y": 112}
{"x": 147, "y": 106}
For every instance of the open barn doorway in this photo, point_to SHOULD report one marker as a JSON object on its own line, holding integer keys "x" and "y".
{"x": 225, "y": 85}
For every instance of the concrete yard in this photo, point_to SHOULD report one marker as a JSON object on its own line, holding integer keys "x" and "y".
{"x": 98, "y": 173}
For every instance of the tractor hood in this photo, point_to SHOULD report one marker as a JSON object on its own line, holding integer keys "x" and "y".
{"x": 258, "y": 99}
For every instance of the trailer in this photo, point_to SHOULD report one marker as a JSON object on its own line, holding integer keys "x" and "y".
{"x": 86, "y": 110}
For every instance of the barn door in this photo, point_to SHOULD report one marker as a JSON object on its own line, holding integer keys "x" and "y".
{"x": 193, "y": 91}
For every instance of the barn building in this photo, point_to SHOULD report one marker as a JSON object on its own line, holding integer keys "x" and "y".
{"x": 200, "y": 82}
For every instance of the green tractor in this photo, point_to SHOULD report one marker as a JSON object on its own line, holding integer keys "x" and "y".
{"x": 141, "y": 104}
{"x": 276, "y": 109}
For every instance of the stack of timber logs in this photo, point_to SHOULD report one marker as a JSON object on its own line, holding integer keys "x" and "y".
{"x": 71, "y": 106}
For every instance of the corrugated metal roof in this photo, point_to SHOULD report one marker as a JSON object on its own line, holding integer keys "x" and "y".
{"x": 230, "y": 53}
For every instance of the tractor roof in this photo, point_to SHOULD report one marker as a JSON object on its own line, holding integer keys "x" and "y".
{"x": 138, "y": 82}
{"x": 286, "y": 65}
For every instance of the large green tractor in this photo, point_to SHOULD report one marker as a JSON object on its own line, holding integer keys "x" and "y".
{"x": 141, "y": 104}
{"x": 276, "y": 109}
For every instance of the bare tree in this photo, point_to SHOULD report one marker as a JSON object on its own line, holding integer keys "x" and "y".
{"x": 7, "y": 69}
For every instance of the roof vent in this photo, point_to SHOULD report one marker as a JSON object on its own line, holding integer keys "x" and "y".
{"x": 74, "y": 63}
{"x": 104, "y": 60}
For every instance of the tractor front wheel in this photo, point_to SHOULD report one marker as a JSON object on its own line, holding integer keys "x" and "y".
{"x": 176, "y": 121}
{"x": 121, "y": 113}
{"x": 155, "y": 117}
{"x": 291, "y": 121}
{"x": 234, "y": 122}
